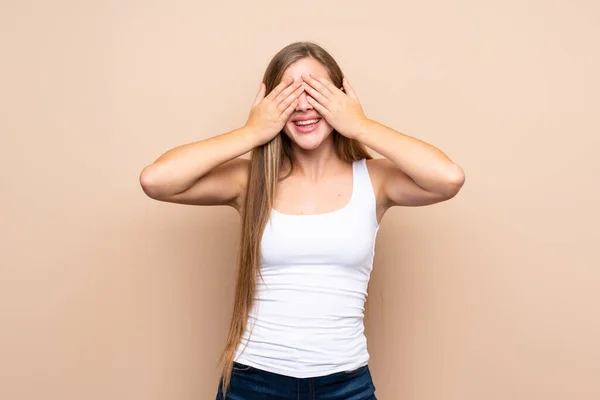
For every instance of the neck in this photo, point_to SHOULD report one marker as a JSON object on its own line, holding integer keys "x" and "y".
{"x": 316, "y": 163}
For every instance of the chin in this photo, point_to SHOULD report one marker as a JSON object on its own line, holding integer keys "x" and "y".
{"x": 308, "y": 140}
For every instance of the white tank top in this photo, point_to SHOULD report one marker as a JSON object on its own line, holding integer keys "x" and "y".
{"x": 307, "y": 315}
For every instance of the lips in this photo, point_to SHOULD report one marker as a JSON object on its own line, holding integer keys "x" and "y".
{"x": 306, "y": 117}
{"x": 307, "y": 128}
{"x": 306, "y": 122}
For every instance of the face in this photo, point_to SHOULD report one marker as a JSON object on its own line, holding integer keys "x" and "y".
{"x": 309, "y": 136}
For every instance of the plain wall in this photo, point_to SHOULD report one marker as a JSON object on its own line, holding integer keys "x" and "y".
{"x": 107, "y": 294}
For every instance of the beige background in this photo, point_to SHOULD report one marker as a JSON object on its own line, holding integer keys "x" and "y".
{"x": 107, "y": 294}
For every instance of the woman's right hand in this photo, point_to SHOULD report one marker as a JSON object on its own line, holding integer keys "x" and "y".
{"x": 269, "y": 114}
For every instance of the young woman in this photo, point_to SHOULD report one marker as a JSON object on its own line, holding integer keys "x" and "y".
{"x": 311, "y": 199}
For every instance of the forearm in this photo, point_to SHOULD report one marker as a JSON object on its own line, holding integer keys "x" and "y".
{"x": 179, "y": 168}
{"x": 427, "y": 165}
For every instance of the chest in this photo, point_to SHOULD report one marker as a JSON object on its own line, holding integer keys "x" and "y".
{"x": 341, "y": 238}
{"x": 302, "y": 197}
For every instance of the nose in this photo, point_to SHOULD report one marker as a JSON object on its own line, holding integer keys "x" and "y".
{"x": 303, "y": 104}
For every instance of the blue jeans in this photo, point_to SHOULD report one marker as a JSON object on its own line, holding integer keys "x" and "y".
{"x": 250, "y": 383}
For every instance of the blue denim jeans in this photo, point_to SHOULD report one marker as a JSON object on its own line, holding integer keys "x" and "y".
{"x": 250, "y": 383}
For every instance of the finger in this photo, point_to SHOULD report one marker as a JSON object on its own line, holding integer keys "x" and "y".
{"x": 315, "y": 84}
{"x": 316, "y": 95}
{"x": 290, "y": 99}
{"x": 279, "y": 88}
{"x": 260, "y": 95}
{"x": 288, "y": 91}
{"x": 318, "y": 106}
{"x": 349, "y": 89}
{"x": 288, "y": 111}
{"x": 327, "y": 83}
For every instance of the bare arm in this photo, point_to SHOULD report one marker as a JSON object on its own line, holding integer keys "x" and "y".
{"x": 413, "y": 173}
{"x": 209, "y": 172}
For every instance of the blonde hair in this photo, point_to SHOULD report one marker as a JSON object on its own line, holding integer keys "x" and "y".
{"x": 264, "y": 173}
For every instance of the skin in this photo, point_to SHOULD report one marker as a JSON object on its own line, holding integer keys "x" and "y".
{"x": 311, "y": 141}
{"x": 321, "y": 182}
{"x": 211, "y": 172}
{"x": 328, "y": 181}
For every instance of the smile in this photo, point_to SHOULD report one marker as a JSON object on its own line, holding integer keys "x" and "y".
{"x": 309, "y": 122}
{"x": 307, "y": 126}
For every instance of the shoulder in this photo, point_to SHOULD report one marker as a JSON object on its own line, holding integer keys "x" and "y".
{"x": 394, "y": 187}
{"x": 234, "y": 171}
{"x": 378, "y": 168}
{"x": 239, "y": 169}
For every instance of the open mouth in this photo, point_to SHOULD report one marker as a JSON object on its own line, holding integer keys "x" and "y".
{"x": 307, "y": 126}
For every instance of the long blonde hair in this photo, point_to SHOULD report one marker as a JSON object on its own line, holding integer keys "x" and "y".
{"x": 264, "y": 173}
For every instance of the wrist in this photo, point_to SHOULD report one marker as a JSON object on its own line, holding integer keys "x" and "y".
{"x": 362, "y": 129}
{"x": 250, "y": 136}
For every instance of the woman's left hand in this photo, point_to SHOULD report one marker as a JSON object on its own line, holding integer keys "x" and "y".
{"x": 341, "y": 110}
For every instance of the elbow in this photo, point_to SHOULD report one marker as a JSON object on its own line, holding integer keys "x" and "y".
{"x": 455, "y": 179}
{"x": 149, "y": 182}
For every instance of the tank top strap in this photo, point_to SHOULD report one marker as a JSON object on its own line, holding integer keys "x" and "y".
{"x": 363, "y": 192}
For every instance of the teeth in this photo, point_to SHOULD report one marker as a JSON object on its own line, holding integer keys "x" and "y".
{"x": 308, "y": 122}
